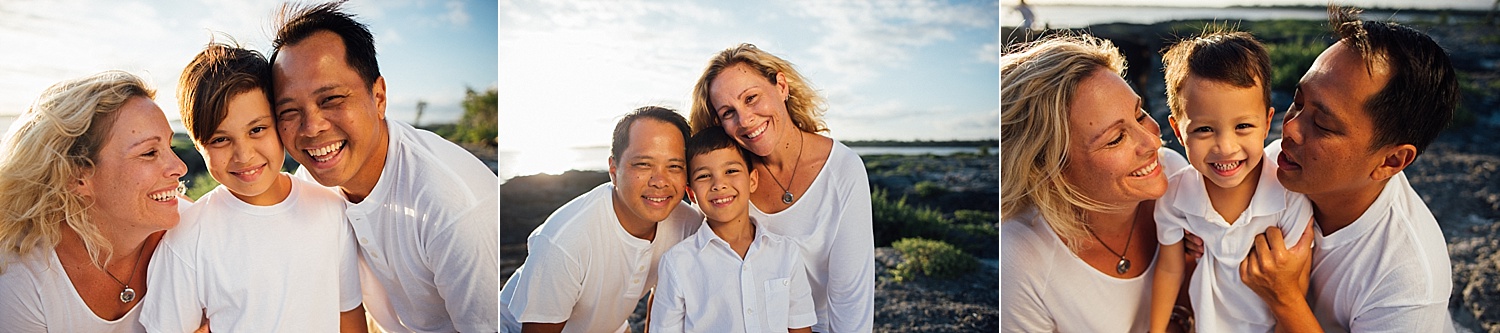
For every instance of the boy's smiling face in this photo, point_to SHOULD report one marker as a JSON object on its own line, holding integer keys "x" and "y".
{"x": 1224, "y": 129}
{"x": 244, "y": 153}
{"x": 721, "y": 182}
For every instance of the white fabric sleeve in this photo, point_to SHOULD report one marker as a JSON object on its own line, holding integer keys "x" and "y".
{"x": 174, "y": 303}
{"x": 851, "y": 263}
{"x": 667, "y": 308}
{"x": 349, "y": 290}
{"x": 1295, "y": 218}
{"x": 1171, "y": 161}
{"x": 464, "y": 262}
{"x": 550, "y": 285}
{"x": 1432, "y": 317}
{"x": 20, "y": 302}
{"x": 1023, "y": 310}
{"x": 1170, "y": 222}
{"x": 802, "y": 313}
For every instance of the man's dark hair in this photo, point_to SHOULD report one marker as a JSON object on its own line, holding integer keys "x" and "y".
{"x": 622, "y": 128}
{"x": 714, "y": 138}
{"x": 1233, "y": 58}
{"x": 299, "y": 22}
{"x": 1418, "y": 101}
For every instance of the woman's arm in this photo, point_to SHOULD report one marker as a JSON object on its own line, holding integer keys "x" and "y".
{"x": 353, "y": 321}
{"x": 1164, "y": 287}
{"x": 851, "y": 263}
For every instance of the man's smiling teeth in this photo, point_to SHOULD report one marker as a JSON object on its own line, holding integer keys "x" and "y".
{"x": 320, "y": 152}
{"x": 1227, "y": 166}
{"x": 1146, "y": 170}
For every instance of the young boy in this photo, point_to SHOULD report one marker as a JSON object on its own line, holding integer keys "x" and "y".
{"x": 1217, "y": 90}
{"x": 732, "y": 276}
{"x": 264, "y": 251}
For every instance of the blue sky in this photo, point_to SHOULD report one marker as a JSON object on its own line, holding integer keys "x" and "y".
{"x": 428, "y": 50}
{"x": 890, "y": 69}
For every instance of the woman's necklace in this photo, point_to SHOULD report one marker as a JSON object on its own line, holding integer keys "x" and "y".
{"x": 128, "y": 294}
{"x": 1124, "y": 264}
{"x": 786, "y": 194}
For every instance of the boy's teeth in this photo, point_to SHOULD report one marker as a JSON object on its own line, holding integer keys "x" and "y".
{"x": 1226, "y": 166}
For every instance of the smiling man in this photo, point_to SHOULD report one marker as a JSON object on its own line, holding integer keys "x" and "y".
{"x": 589, "y": 264}
{"x": 1368, "y": 106}
{"x": 423, "y": 209}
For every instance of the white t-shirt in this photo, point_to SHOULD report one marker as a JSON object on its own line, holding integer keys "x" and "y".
{"x": 706, "y": 287}
{"x": 832, "y": 223}
{"x": 37, "y": 296}
{"x": 1388, "y": 271}
{"x": 287, "y": 267}
{"x": 427, "y": 237}
{"x": 583, "y": 268}
{"x": 1221, "y": 302}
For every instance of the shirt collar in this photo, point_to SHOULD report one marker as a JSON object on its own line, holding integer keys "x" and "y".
{"x": 1269, "y": 197}
{"x": 706, "y": 238}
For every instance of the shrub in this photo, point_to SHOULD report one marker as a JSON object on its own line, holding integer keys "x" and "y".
{"x": 1291, "y": 59}
{"x": 931, "y": 258}
{"x": 894, "y": 219}
{"x": 968, "y": 216}
{"x": 929, "y": 189}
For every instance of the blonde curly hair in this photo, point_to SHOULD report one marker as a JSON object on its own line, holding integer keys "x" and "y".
{"x": 1038, "y": 82}
{"x": 51, "y": 145}
{"x": 803, "y": 103}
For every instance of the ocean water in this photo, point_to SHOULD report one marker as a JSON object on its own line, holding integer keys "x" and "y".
{"x": 1077, "y": 16}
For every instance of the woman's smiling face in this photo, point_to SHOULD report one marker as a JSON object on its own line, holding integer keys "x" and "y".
{"x": 751, "y": 108}
{"x": 1112, "y": 154}
{"x": 134, "y": 181}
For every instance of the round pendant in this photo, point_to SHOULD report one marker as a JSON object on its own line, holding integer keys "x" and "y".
{"x": 1123, "y": 266}
{"x": 127, "y": 295}
{"x": 786, "y": 198}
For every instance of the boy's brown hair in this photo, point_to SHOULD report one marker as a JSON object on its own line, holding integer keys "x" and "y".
{"x": 713, "y": 138}
{"x": 216, "y": 75}
{"x": 1233, "y": 58}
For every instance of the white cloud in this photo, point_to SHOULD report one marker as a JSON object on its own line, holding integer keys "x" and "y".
{"x": 989, "y": 53}
{"x": 456, "y": 13}
{"x": 860, "y": 38}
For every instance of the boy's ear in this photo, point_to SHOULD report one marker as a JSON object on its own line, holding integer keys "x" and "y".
{"x": 693, "y": 198}
{"x": 754, "y": 180}
{"x": 1393, "y": 160}
{"x": 1270, "y": 113}
{"x": 1172, "y": 120}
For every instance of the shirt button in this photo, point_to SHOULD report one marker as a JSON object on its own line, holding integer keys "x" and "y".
{"x": 750, "y": 310}
{"x": 374, "y": 255}
{"x": 364, "y": 241}
{"x": 786, "y": 282}
{"x": 636, "y": 281}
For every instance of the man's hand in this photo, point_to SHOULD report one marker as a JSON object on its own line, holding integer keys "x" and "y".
{"x": 1280, "y": 277}
{"x": 1193, "y": 247}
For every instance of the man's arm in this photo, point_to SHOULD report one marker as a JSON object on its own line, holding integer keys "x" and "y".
{"x": 1280, "y": 277}
{"x": 542, "y": 327}
{"x": 463, "y": 259}
{"x": 352, "y": 321}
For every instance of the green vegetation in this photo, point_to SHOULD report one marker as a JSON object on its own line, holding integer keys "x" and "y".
{"x": 931, "y": 258}
{"x": 895, "y": 219}
{"x": 479, "y": 125}
{"x": 929, "y": 189}
{"x": 200, "y": 185}
{"x": 1289, "y": 60}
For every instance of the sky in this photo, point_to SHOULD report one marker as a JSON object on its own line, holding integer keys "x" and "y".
{"x": 427, "y": 50}
{"x": 913, "y": 69}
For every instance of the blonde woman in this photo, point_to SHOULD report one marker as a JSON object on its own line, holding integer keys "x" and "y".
{"x": 1081, "y": 167}
{"x": 814, "y": 189}
{"x": 88, "y": 184}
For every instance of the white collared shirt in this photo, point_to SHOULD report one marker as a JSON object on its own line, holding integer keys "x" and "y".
{"x": 1221, "y": 302}
{"x": 582, "y": 267}
{"x": 1388, "y": 271}
{"x": 427, "y": 237}
{"x": 706, "y": 287}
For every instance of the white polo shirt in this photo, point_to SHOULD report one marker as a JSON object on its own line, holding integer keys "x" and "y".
{"x": 706, "y": 287}
{"x": 1388, "y": 271}
{"x": 1221, "y": 302}
{"x": 583, "y": 268}
{"x": 427, "y": 237}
